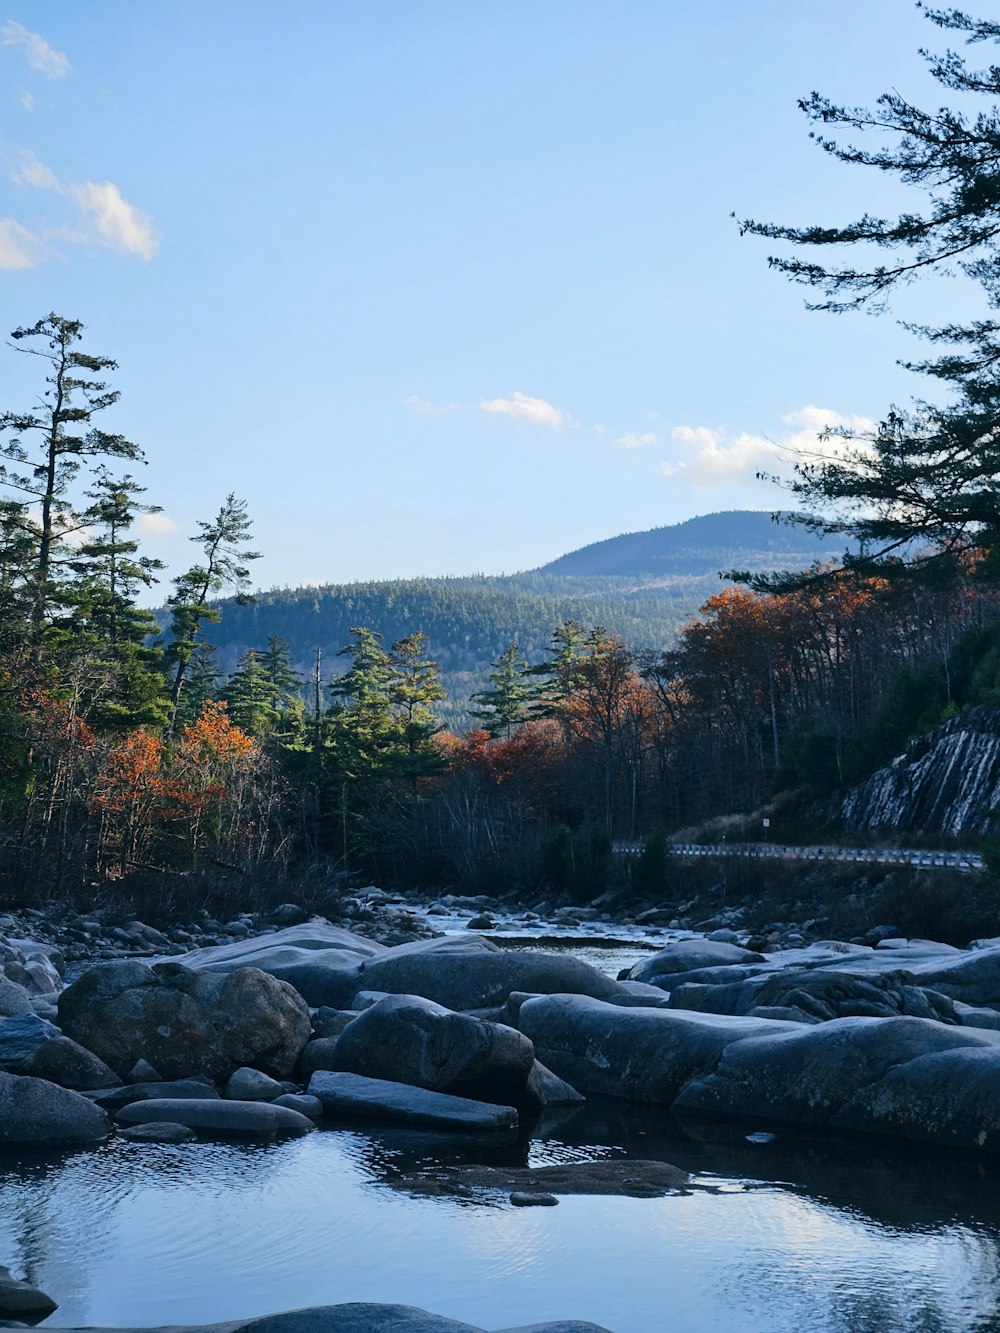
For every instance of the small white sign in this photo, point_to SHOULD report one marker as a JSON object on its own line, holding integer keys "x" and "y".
{"x": 767, "y": 823}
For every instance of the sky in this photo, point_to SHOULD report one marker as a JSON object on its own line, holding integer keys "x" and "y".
{"x": 439, "y": 287}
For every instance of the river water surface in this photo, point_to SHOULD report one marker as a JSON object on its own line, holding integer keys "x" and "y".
{"x": 780, "y": 1236}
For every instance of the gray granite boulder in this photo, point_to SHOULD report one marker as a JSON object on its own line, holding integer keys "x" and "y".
{"x": 470, "y": 972}
{"x": 65, "y": 1062}
{"x": 250, "y": 1085}
{"x": 21, "y": 1037}
{"x": 14, "y": 999}
{"x": 185, "y": 1022}
{"x": 408, "y": 1039}
{"x": 351, "y": 1096}
{"x": 698, "y": 960}
{"x": 643, "y": 1055}
{"x": 253, "y": 1119}
{"x": 38, "y": 1113}
{"x": 21, "y": 1301}
{"x": 359, "y": 1317}
{"x": 190, "y": 1089}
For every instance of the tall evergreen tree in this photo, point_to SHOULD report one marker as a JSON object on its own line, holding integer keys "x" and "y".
{"x": 226, "y": 557}
{"x": 505, "y": 706}
{"x": 46, "y": 446}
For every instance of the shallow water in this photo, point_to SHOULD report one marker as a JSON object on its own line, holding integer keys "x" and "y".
{"x": 798, "y": 1234}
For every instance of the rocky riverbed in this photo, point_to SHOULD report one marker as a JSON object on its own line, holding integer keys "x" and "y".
{"x": 266, "y": 1030}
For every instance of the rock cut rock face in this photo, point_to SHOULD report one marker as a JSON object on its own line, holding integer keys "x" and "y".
{"x": 186, "y": 1022}
{"x": 946, "y": 782}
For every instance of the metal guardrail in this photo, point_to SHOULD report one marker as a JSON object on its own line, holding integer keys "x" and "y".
{"x": 864, "y": 855}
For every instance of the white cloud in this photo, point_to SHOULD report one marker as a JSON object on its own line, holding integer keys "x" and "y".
{"x": 635, "y": 441}
{"x": 154, "y": 525}
{"x": 712, "y": 458}
{"x": 37, "y": 51}
{"x": 28, "y": 102}
{"x": 120, "y": 225}
{"x": 36, "y": 174}
{"x": 426, "y": 409}
{"x": 19, "y": 248}
{"x": 109, "y": 219}
{"x": 528, "y": 409}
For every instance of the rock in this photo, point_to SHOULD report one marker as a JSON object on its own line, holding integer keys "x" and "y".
{"x": 158, "y": 1132}
{"x": 522, "y": 1200}
{"x": 254, "y": 1119}
{"x": 301, "y": 1102}
{"x": 63, "y": 1061}
{"x": 482, "y": 922}
{"x": 331, "y": 1022}
{"x": 353, "y": 1096}
{"x": 20, "y": 1037}
{"x": 250, "y": 1085}
{"x": 33, "y": 1111}
{"x": 692, "y": 956}
{"x": 14, "y": 999}
{"x": 470, "y": 972}
{"x": 321, "y": 961}
{"x": 184, "y": 1021}
{"x": 317, "y": 1054}
{"x": 408, "y": 1039}
{"x": 19, "y": 1300}
{"x": 143, "y": 1072}
{"x": 190, "y": 1089}
{"x": 610, "y": 1176}
{"x": 546, "y": 1089}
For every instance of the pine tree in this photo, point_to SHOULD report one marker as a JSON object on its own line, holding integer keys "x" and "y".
{"x": 505, "y": 706}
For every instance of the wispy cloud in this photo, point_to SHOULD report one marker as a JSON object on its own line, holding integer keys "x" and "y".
{"x": 37, "y": 52}
{"x": 636, "y": 441}
{"x": 528, "y": 409}
{"x": 154, "y": 525}
{"x": 28, "y": 102}
{"x": 105, "y": 216}
{"x": 425, "y": 409}
{"x": 712, "y": 458}
{"x": 19, "y": 248}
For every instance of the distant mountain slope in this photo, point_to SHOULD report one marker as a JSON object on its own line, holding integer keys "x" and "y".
{"x": 643, "y": 586}
{"x": 733, "y": 539}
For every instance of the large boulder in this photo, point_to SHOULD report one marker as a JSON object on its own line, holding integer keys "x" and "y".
{"x": 21, "y": 1036}
{"x": 321, "y": 961}
{"x": 643, "y": 1055}
{"x": 252, "y": 1119}
{"x": 819, "y": 995}
{"x": 412, "y": 1040}
{"x": 354, "y": 1097}
{"x": 14, "y": 999}
{"x": 470, "y": 972}
{"x": 21, "y": 1301}
{"x": 38, "y": 1113}
{"x": 696, "y": 960}
{"x": 65, "y": 1062}
{"x": 186, "y": 1022}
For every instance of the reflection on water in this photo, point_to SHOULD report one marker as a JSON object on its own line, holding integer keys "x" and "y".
{"x": 801, "y": 1233}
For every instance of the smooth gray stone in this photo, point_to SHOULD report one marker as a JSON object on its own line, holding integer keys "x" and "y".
{"x": 184, "y": 1021}
{"x": 14, "y": 999}
{"x": 301, "y": 1102}
{"x": 65, "y": 1062}
{"x": 407, "y": 1039}
{"x": 644, "y": 1055}
{"x": 546, "y": 1089}
{"x": 470, "y": 972}
{"x": 357, "y": 1317}
{"x": 33, "y": 1111}
{"x": 693, "y": 955}
{"x": 258, "y": 1119}
{"x": 190, "y": 1089}
{"x": 521, "y": 1200}
{"x": 21, "y": 1036}
{"x": 318, "y": 1054}
{"x": 250, "y": 1085}
{"x": 352, "y": 1095}
{"x": 20, "y": 1300}
{"x": 165, "y": 1131}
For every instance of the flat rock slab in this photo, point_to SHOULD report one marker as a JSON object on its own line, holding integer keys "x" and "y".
{"x": 614, "y": 1176}
{"x": 256, "y": 1119}
{"x": 357, "y": 1317}
{"x": 188, "y": 1089}
{"x": 357, "y": 1097}
{"x": 158, "y": 1132}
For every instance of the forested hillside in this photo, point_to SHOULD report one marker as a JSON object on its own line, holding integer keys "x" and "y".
{"x": 732, "y": 539}
{"x": 643, "y": 586}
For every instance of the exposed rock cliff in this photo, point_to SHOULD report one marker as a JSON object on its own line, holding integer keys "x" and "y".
{"x": 946, "y": 782}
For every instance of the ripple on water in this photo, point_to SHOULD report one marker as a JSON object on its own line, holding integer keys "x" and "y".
{"x": 152, "y": 1234}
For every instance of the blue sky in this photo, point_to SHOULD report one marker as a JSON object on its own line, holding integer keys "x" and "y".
{"x": 441, "y": 287}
